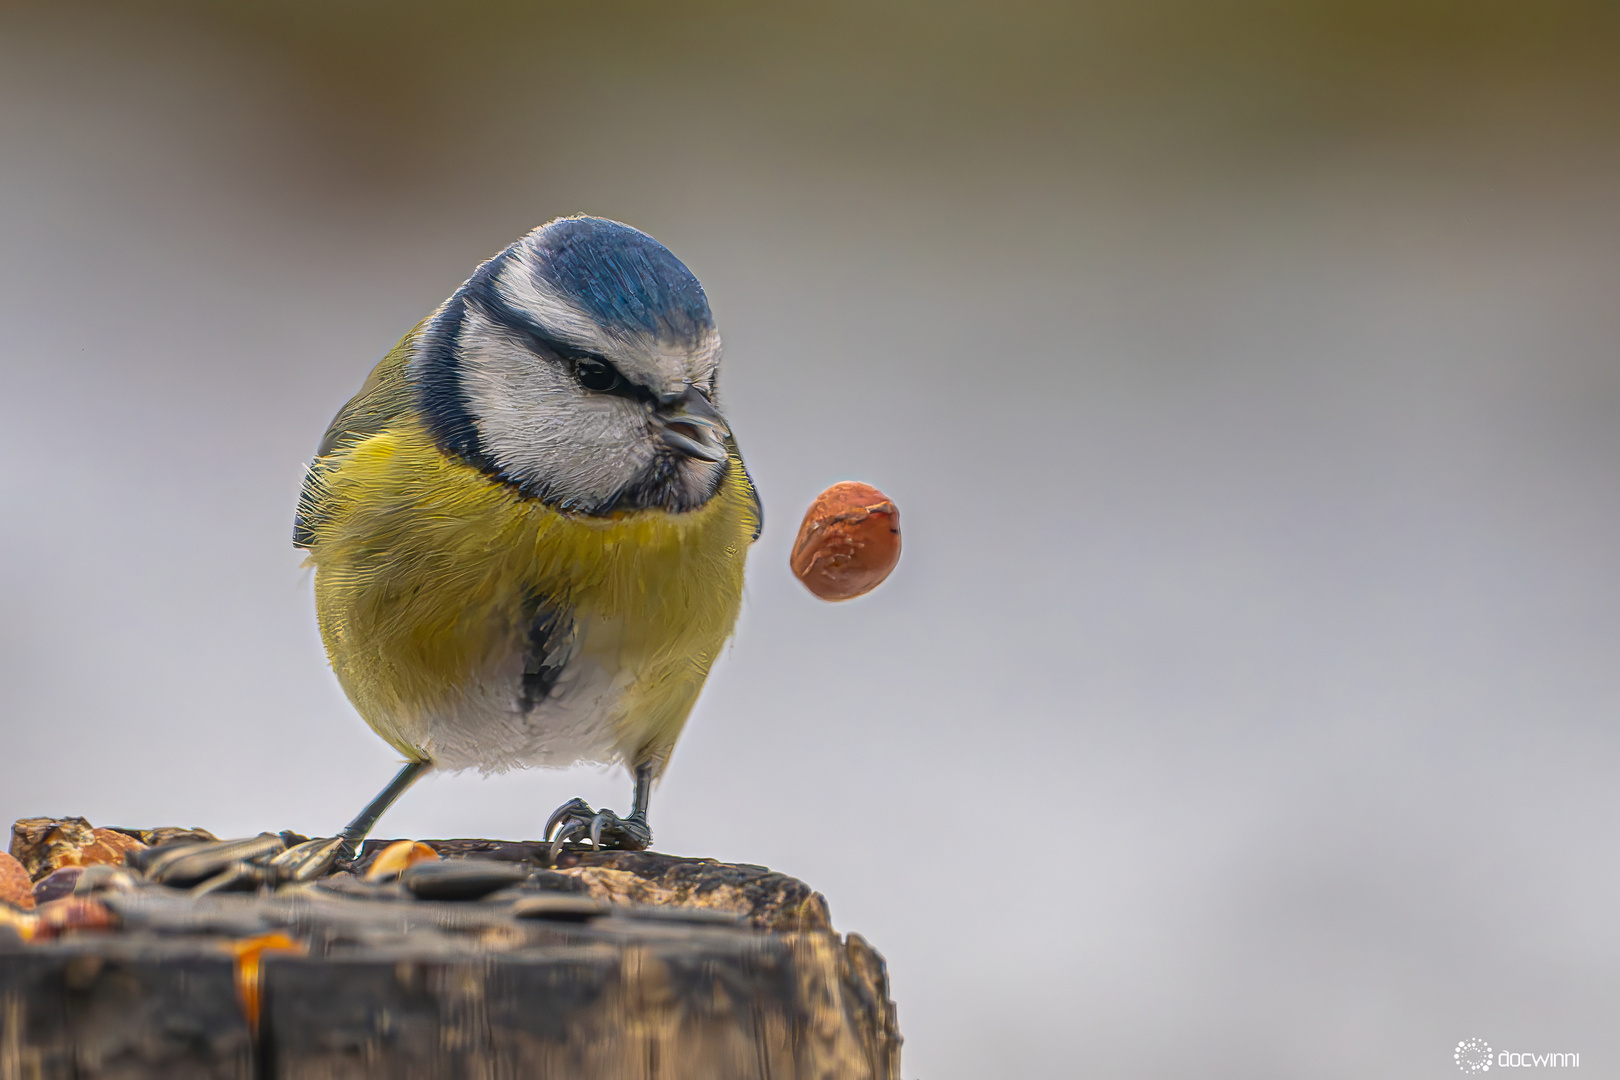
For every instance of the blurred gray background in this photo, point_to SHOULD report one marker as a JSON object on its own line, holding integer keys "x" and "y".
{"x": 1245, "y": 702}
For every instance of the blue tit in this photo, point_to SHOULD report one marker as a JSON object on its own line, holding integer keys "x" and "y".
{"x": 528, "y": 528}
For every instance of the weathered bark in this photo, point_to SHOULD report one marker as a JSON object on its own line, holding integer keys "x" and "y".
{"x": 610, "y": 964}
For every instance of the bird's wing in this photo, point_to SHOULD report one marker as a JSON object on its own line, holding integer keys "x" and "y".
{"x": 753, "y": 492}
{"x": 382, "y": 400}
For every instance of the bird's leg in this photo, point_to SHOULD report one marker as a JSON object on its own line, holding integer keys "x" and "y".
{"x": 355, "y": 832}
{"x": 605, "y": 829}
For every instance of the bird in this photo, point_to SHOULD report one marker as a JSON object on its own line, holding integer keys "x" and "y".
{"x": 529, "y": 528}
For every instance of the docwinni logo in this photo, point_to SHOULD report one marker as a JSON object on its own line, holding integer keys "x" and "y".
{"x": 1507, "y": 1060}
{"x": 1475, "y": 1056}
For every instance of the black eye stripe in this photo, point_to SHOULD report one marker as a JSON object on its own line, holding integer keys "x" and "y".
{"x": 579, "y": 362}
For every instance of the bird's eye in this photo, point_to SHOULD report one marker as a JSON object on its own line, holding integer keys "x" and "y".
{"x": 595, "y": 375}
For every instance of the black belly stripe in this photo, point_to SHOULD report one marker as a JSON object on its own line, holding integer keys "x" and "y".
{"x": 551, "y": 639}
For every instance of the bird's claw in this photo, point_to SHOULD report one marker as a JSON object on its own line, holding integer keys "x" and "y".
{"x": 603, "y": 828}
{"x": 566, "y": 833}
{"x": 573, "y": 808}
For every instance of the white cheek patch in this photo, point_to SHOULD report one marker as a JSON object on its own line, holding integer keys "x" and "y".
{"x": 541, "y": 428}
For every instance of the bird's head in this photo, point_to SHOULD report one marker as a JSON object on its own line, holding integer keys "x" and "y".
{"x": 579, "y": 366}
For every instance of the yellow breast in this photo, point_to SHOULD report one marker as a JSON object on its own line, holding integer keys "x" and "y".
{"x": 425, "y": 569}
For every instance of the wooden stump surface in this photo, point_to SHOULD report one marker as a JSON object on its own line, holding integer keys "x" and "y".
{"x": 608, "y": 964}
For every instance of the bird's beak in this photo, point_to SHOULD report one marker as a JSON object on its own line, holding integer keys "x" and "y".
{"x": 690, "y": 425}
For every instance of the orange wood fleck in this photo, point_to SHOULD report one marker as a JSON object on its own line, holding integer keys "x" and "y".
{"x": 248, "y": 952}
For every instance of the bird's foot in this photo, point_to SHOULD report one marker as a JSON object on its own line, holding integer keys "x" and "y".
{"x": 575, "y": 820}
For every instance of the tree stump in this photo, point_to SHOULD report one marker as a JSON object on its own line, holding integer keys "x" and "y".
{"x": 606, "y": 964}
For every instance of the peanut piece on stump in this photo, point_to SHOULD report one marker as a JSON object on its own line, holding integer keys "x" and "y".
{"x": 46, "y": 844}
{"x": 394, "y": 859}
{"x": 15, "y": 888}
{"x": 849, "y": 541}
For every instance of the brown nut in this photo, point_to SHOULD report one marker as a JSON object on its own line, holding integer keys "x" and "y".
{"x": 849, "y": 541}
{"x": 15, "y": 888}
{"x": 46, "y": 844}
